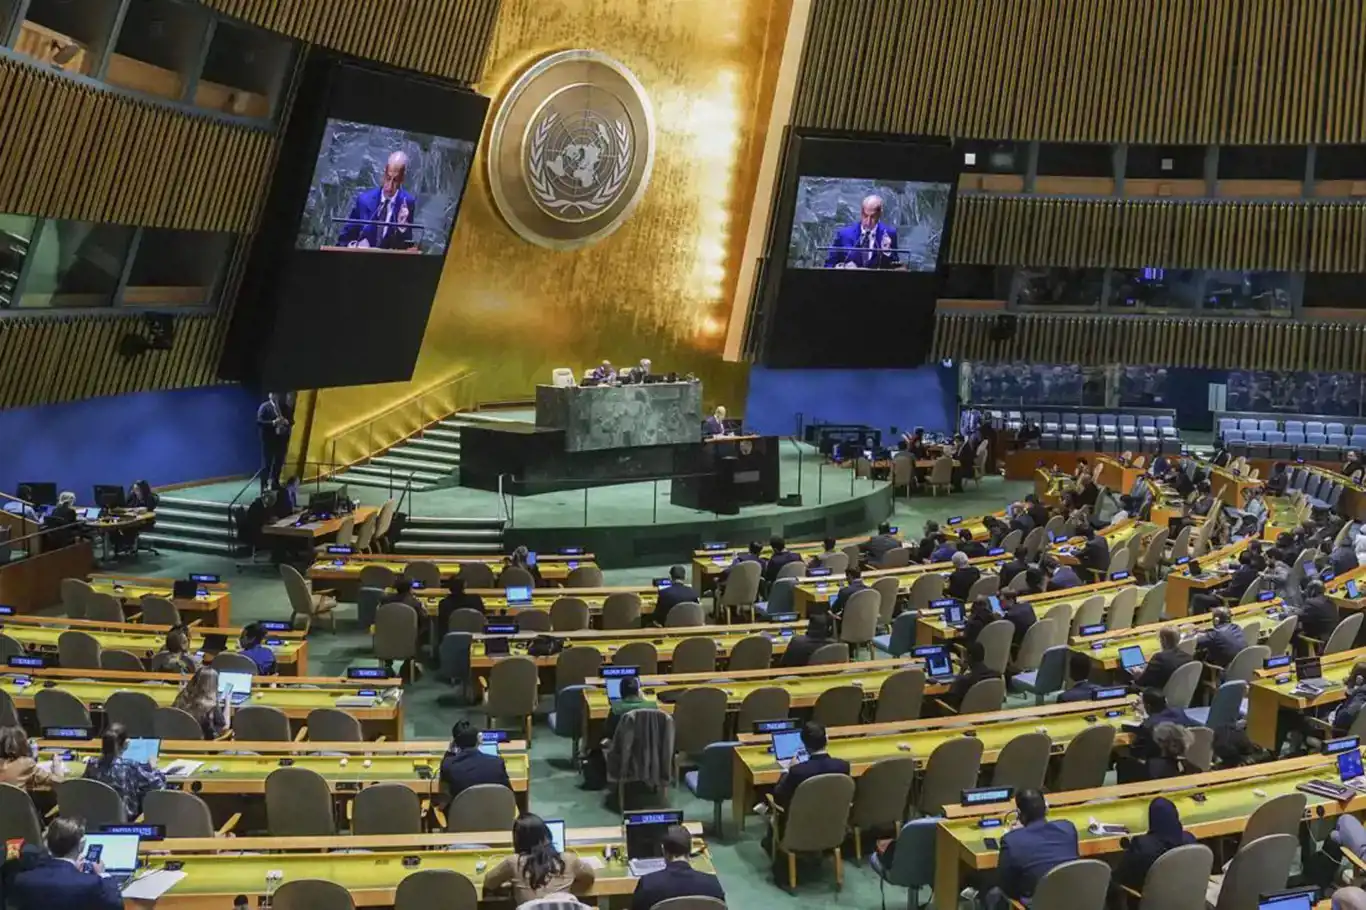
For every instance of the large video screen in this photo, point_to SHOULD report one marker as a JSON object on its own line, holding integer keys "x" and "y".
{"x": 857, "y": 223}
{"x": 376, "y": 188}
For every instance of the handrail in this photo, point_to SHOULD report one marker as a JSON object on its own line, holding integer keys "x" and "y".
{"x": 367, "y": 425}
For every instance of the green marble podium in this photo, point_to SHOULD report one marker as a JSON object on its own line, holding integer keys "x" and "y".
{"x": 600, "y": 417}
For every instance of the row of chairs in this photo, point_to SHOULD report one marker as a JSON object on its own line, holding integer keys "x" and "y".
{"x": 81, "y": 601}
{"x": 477, "y": 575}
{"x": 1089, "y": 422}
{"x": 77, "y": 650}
{"x": 1295, "y": 426}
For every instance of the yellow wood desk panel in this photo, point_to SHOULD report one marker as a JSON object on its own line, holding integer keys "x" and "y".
{"x": 930, "y": 626}
{"x": 42, "y": 633}
{"x": 1146, "y": 637}
{"x": 348, "y": 568}
{"x": 213, "y": 609}
{"x": 664, "y": 640}
{"x": 313, "y": 530}
{"x": 1229, "y": 801}
{"x": 1266, "y": 698}
{"x": 1218, "y": 567}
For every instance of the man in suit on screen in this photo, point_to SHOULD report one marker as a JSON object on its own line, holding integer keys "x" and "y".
{"x": 389, "y": 203}
{"x": 869, "y": 244}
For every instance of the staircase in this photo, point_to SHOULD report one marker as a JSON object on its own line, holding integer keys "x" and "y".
{"x": 448, "y": 536}
{"x": 196, "y": 525}
{"x": 432, "y": 458}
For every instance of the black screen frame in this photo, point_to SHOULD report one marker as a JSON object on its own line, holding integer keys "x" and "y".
{"x": 807, "y": 320}
{"x": 317, "y": 319}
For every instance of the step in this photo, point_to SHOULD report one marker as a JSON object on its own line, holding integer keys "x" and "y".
{"x": 444, "y": 434}
{"x": 353, "y": 477}
{"x": 202, "y": 531}
{"x": 437, "y": 444}
{"x": 474, "y": 418}
{"x": 419, "y": 546}
{"x": 189, "y": 504}
{"x": 453, "y": 533}
{"x": 454, "y": 521}
{"x": 418, "y": 453}
{"x": 403, "y": 465}
{"x": 395, "y": 475}
{"x": 163, "y": 542}
{"x": 189, "y": 516}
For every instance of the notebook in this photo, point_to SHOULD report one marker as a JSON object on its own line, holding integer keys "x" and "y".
{"x": 937, "y": 664}
{"x": 613, "y": 676}
{"x": 1298, "y": 899}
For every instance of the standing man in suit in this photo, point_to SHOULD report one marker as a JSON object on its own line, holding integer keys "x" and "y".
{"x": 1160, "y": 667}
{"x": 1031, "y": 850}
{"x": 678, "y": 592}
{"x": 715, "y": 425}
{"x": 677, "y": 878}
{"x": 966, "y": 457}
{"x": 818, "y": 761}
{"x": 869, "y": 244}
{"x": 388, "y": 203}
{"x": 274, "y": 430}
{"x": 780, "y": 557}
{"x": 877, "y": 546}
{"x": 464, "y": 766}
{"x": 62, "y": 880}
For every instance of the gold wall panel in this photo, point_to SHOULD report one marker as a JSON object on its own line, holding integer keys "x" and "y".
{"x": 659, "y": 286}
{"x": 1098, "y": 341}
{"x": 1178, "y": 233}
{"x": 1150, "y": 71}
{"x": 447, "y": 38}
{"x": 78, "y": 152}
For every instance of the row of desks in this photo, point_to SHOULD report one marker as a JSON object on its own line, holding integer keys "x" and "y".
{"x": 342, "y": 571}
{"x": 213, "y": 607}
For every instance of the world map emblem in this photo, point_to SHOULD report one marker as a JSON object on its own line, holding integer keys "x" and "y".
{"x": 571, "y": 150}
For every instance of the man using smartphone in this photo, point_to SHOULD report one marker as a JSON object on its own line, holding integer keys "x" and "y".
{"x": 63, "y": 880}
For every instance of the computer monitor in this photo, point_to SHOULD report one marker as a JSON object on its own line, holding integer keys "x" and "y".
{"x": 118, "y": 852}
{"x": 236, "y": 686}
{"x": 92, "y": 513}
{"x": 556, "y": 826}
{"x": 786, "y": 744}
{"x": 143, "y": 749}
{"x": 613, "y": 676}
{"x": 953, "y": 614}
{"x": 1131, "y": 657}
{"x": 110, "y": 496}
{"x": 937, "y": 664}
{"x": 1349, "y": 765}
{"x": 645, "y": 832}
{"x": 1294, "y": 899}
{"x": 323, "y": 502}
{"x": 42, "y": 492}
{"x": 518, "y": 596}
{"x": 1308, "y": 668}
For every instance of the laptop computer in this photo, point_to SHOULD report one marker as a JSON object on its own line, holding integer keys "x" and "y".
{"x": 787, "y": 747}
{"x": 644, "y": 835}
{"x": 937, "y": 663}
{"x": 613, "y": 676}
{"x": 1349, "y": 769}
{"x": 556, "y": 827}
{"x": 1293, "y": 899}
{"x": 118, "y": 853}
{"x": 1131, "y": 657}
{"x": 953, "y": 615}
{"x": 144, "y": 750}
{"x": 518, "y": 596}
{"x": 1309, "y": 672}
{"x": 237, "y": 686}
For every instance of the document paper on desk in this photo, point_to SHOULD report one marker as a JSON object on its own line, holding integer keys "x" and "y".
{"x": 151, "y": 886}
{"x": 182, "y": 767}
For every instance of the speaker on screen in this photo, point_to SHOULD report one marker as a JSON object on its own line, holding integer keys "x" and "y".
{"x": 372, "y": 169}
{"x": 856, "y": 250}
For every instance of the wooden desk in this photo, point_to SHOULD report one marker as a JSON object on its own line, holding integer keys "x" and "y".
{"x": 542, "y": 599}
{"x": 1228, "y": 803}
{"x": 807, "y": 591}
{"x": 342, "y": 572}
{"x": 1281, "y": 515}
{"x": 1266, "y": 698}
{"x": 863, "y": 746}
{"x": 40, "y": 634}
{"x": 213, "y": 609}
{"x": 930, "y": 626}
{"x": 296, "y": 696}
{"x": 708, "y": 564}
{"x": 1115, "y": 474}
{"x": 1228, "y": 486}
{"x": 294, "y": 528}
{"x": 1218, "y": 567}
{"x": 216, "y": 872}
{"x": 1106, "y": 657}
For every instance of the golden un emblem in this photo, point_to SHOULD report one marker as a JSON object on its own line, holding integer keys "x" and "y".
{"x": 572, "y": 148}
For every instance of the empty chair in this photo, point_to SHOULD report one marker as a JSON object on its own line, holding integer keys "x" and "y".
{"x": 741, "y": 590}
{"x": 483, "y": 807}
{"x": 1261, "y": 866}
{"x": 837, "y": 652}
{"x": 622, "y": 610}
{"x": 103, "y": 607}
{"x": 1344, "y": 635}
{"x": 902, "y": 637}
{"x": 901, "y": 696}
{"x": 694, "y": 655}
{"x": 298, "y": 804}
{"x": 953, "y": 767}
{"x": 435, "y": 889}
{"x": 642, "y": 654}
{"x": 584, "y": 577}
{"x": 1177, "y": 879}
{"x": 838, "y": 706}
{"x": 1051, "y": 673}
{"x": 1180, "y": 688}
{"x": 59, "y": 708}
{"x": 881, "y": 797}
{"x": 1086, "y": 759}
{"x": 312, "y": 894}
{"x": 1246, "y": 663}
{"x": 332, "y": 725}
{"x": 1079, "y": 883}
{"x": 9, "y": 647}
{"x": 925, "y": 588}
{"x": 78, "y": 650}
{"x": 183, "y": 814}
{"x": 120, "y": 660}
{"x": 860, "y": 618}
{"x": 428, "y": 573}
{"x": 234, "y": 662}
{"x": 699, "y": 721}
{"x": 1225, "y": 708}
{"x": 685, "y": 615}
{"x": 158, "y": 611}
{"x": 386, "y": 809}
{"x": 378, "y": 576}
{"x": 1090, "y": 613}
{"x": 304, "y": 602}
{"x": 754, "y": 652}
{"x": 1023, "y": 762}
{"x": 18, "y": 816}
{"x": 515, "y": 577}
{"x": 984, "y": 696}
{"x": 995, "y": 640}
{"x": 261, "y": 723}
{"x": 512, "y": 691}
{"x": 95, "y": 801}
{"x": 174, "y": 723}
{"x": 1122, "y": 609}
{"x": 75, "y": 593}
{"x": 888, "y": 589}
{"x": 477, "y": 575}
{"x": 817, "y": 820}
{"x": 1278, "y": 815}
{"x": 1200, "y": 752}
{"x": 837, "y": 563}
{"x": 1278, "y": 642}
{"x": 763, "y": 703}
{"x": 534, "y": 621}
{"x": 576, "y": 664}
{"x": 569, "y": 614}
{"x": 134, "y": 711}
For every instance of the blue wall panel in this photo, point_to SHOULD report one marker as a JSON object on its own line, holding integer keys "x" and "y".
{"x": 165, "y": 437}
{"x": 925, "y": 396}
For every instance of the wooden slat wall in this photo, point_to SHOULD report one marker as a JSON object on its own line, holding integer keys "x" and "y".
{"x": 1098, "y": 341}
{"x": 78, "y": 152}
{"x": 1127, "y": 233}
{"x": 446, "y": 38}
{"x": 1150, "y": 71}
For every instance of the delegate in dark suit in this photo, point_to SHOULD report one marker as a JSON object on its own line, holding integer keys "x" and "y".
{"x": 1160, "y": 668}
{"x": 842, "y": 598}
{"x": 55, "y": 884}
{"x": 675, "y": 594}
{"x": 465, "y": 768}
{"x": 713, "y": 426}
{"x": 1028, "y": 853}
{"x": 776, "y": 563}
{"x": 677, "y": 879}
{"x": 1221, "y": 644}
{"x": 1318, "y": 617}
{"x": 853, "y": 245}
{"x": 1095, "y": 557}
{"x": 961, "y": 581}
{"x": 879, "y": 546}
{"x": 1021, "y": 616}
{"x": 820, "y": 763}
{"x": 370, "y": 205}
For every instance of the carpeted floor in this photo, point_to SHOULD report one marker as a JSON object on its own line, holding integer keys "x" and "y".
{"x": 432, "y": 707}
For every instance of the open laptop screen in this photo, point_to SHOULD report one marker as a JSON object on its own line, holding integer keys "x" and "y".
{"x": 118, "y": 852}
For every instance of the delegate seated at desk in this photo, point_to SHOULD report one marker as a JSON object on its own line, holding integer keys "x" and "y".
{"x": 1030, "y": 851}
{"x": 976, "y": 672}
{"x": 781, "y": 557}
{"x": 59, "y": 879}
{"x": 678, "y": 592}
{"x": 801, "y": 647}
{"x": 715, "y": 425}
{"x": 20, "y": 506}
{"x": 1222, "y": 643}
{"x": 61, "y": 523}
{"x": 678, "y": 878}
{"x": 818, "y": 761}
{"x": 879, "y": 545}
{"x": 1161, "y": 665}
{"x": 464, "y": 766}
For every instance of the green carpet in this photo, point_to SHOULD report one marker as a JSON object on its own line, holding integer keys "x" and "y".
{"x": 432, "y": 707}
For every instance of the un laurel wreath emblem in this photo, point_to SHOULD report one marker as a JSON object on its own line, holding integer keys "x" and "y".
{"x": 571, "y": 149}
